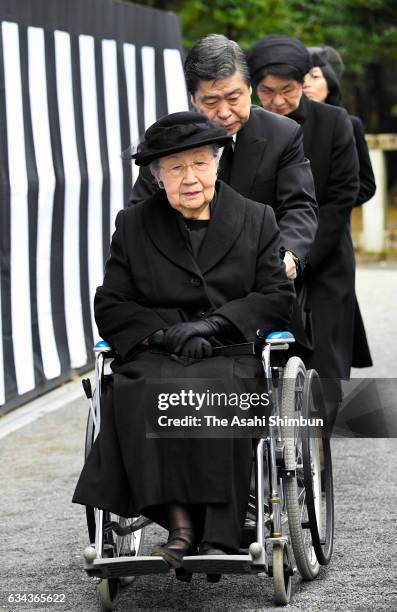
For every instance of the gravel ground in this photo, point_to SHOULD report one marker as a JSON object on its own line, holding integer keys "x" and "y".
{"x": 376, "y": 288}
{"x": 43, "y": 534}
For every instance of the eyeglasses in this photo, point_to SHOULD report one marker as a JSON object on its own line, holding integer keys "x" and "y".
{"x": 284, "y": 92}
{"x": 178, "y": 170}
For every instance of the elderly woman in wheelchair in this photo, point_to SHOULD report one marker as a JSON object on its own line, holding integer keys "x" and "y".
{"x": 195, "y": 267}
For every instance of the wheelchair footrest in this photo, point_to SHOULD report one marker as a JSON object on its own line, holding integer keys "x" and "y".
{"x": 126, "y": 566}
{"x": 221, "y": 564}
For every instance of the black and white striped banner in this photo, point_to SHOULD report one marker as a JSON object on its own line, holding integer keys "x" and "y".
{"x": 79, "y": 81}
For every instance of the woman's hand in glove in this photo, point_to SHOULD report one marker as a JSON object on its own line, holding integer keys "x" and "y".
{"x": 196, "y": 348}
{"x": 176, "y": 336}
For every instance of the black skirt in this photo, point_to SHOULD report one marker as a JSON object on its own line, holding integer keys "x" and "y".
{"x": 127, "y": 472}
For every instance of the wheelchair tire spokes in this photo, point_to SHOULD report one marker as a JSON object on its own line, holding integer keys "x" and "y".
{"x": 320, "y": 503}
{"x": 294, "y": 487}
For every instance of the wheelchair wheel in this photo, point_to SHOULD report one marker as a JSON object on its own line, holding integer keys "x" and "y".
{"x": 117, "y": 546}
{"x": 114, "y": 545}
{"x": 108, "y": 590}
{"x": 282, "y": 577}
{"x": 320, "y": 504}
{"x": 126, "y": 545}
{"x": 129, "y": 545}
{"x": 89, "y": 440}
{"x": 294, "y": 487}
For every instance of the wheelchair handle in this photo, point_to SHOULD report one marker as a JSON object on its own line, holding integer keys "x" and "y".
{"x": 87, "y": 387}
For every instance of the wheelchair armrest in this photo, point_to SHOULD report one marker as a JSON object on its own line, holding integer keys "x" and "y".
{"x": 276, "y": 337}
{"x": 102, "y": 347}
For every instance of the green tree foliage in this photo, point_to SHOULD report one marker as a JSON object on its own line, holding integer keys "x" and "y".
{"x": 364, "y": 31}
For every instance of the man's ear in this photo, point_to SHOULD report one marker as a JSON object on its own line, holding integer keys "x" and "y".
{"x": 192, "y": 100}
{"x": 250, "y": 90}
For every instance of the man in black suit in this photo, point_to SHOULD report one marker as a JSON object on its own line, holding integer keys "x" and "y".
{"x": 266, "y": 162}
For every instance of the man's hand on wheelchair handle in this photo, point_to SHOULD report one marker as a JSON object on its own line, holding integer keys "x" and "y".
{"x": 290, "y": 265}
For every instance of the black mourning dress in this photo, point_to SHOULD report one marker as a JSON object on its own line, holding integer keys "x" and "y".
{"x": 163, "y": 269}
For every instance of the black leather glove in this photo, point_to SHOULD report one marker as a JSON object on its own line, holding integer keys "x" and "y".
{"x": 176, "y": 335}
{"x": 196, "y": 348}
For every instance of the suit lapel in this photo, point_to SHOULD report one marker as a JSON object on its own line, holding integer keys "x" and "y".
{"x": 162, "y": 227}
{"x": 225, "y": 227}
{"x": 247, "y": 157}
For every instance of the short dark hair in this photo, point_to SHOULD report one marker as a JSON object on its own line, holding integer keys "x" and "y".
{"x": 284, "y": 71}
{"x": 334, "y": 97}
{"x": 212, "y": 58}
{"x": 319, "y": 60}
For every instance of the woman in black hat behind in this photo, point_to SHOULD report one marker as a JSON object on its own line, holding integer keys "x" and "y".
{"x": 278, "y": 65}
{"x": 193, "y": 266}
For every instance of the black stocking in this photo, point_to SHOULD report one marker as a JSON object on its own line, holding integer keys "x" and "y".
{"x": 180, "y": 526}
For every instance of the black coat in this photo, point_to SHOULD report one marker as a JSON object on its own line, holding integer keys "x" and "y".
{"x": 361, "y": 354}
{"x": 268, "y": 166}
{"x": 361, "y": 357}
{"x": 151, "y": 281}
{"x": 330, "y": 275}
{"x": 366, "y": 174}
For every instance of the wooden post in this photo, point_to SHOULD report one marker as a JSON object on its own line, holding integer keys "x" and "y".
{"x": 373, "y": 236}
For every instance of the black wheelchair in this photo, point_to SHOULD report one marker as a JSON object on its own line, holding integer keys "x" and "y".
{"x": 289, "y": 524}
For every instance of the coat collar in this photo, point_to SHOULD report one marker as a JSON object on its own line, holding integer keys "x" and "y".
{"x": 224, "y": 229}
{"x": 226, "y": 224}
{"x": 162, "y": 226}
{"x": 300, "y": 114}
{"x": 304, "y": 115}
{"x": 247, "y": 156}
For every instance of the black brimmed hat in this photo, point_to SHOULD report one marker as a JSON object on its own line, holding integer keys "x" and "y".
{"x": 177, "y": 132}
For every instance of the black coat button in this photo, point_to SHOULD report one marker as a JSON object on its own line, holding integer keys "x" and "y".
{"x": 202, "y": 314}
{"x": 196, "y": 282}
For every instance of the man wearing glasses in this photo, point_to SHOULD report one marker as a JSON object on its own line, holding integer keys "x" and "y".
{"x": 266, "y": 162}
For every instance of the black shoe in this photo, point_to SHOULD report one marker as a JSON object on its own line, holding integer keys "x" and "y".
{"x": 183, "y": 575}
{"x": 173, "y": 555}
{"x": 209, "y": 549}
